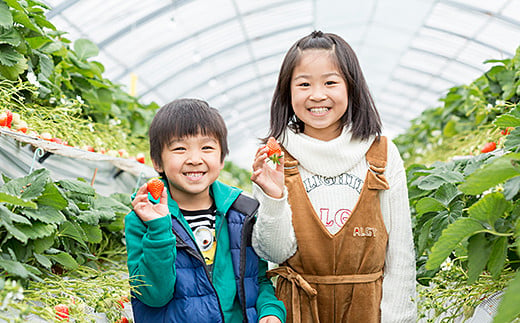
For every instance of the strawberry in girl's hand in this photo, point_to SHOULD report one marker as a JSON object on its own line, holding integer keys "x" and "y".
{"x": 62, "y": 312}
{"x": 274, "y": 151}
{"x": 155, "y": 187}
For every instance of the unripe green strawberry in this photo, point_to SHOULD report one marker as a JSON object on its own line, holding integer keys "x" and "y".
{"x": 155, "y": 187}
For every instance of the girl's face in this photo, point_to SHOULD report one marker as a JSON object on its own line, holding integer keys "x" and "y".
{"x": 319, "y": 94}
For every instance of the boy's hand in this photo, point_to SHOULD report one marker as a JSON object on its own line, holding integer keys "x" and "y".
{"x": 145, "y": 209}
{"x": 270, "y": 180}
{"x": 269, "y": 319}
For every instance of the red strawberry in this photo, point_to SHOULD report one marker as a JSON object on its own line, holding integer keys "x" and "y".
{"x": 140, "y": 158}
{"x": 122, "y": 320}
{"x": 155, "y": 186}
{"x": 62, "y": 312}
{"x": 275, "y": 152}
{"x": 22, "y": 126}
{"x": 490, "y": 146}
{"x": 6, "y": 118}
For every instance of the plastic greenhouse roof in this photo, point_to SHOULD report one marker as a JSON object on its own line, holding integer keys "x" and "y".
{"x": 228, "y": 52}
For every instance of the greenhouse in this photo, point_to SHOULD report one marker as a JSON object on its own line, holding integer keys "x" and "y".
{"x": 81, "y": 83}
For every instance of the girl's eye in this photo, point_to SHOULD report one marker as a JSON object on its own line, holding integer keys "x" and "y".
{"x": 304, "y": 84}
{"x": 330, "y": 82}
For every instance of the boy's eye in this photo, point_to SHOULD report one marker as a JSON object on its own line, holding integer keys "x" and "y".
{"x": 178, "y": 149}
{"x": 208, "y": 148}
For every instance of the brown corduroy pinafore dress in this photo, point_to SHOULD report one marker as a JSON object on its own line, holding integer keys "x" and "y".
{"x": 336, "y": 278}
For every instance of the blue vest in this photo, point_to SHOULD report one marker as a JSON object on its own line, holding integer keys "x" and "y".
{"x": 195, "y": 298}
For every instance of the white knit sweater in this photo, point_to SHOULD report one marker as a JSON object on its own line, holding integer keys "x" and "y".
{"x": 343, "y": 158}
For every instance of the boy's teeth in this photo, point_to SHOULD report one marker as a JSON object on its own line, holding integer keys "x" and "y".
{"x": 194, "y": 174}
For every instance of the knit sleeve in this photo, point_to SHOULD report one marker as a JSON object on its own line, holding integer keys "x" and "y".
{"x": 273, "y": 235}
{"x": 398, "y": 303}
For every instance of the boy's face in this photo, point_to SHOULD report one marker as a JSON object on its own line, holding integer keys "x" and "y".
{"x": 191, "y": 165}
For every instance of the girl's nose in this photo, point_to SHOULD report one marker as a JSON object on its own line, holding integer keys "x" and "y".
{"x": 318, "y": 94}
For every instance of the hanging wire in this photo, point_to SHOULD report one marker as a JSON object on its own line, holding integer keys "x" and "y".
{"x": 38, "y": 153}
{"x": 138, "y": 183}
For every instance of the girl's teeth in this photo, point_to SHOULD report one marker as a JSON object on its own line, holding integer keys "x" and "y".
{"x": 319, "y": 110}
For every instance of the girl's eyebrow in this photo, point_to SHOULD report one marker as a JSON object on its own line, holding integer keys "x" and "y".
{"x": 305, "y": 76}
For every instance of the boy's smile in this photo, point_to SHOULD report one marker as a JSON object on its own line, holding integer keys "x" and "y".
{"x": 191, "y": 165}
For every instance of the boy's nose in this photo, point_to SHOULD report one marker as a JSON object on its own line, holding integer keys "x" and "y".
{"x": 194, "y": 158}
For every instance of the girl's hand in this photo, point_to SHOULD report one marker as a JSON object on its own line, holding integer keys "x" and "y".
{"x": 270, "y": 180}
{"x": 269, "y": 319}
{"x": 145, "y": 209}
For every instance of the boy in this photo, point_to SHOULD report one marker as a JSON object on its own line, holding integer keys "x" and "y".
{"x": 190, "y": 253}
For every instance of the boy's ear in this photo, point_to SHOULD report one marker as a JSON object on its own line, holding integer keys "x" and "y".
{"x": 222, "y": 164}
{"x": 157, "y": 167}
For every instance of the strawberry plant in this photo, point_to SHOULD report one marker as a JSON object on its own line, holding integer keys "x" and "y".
{"x": 48, "y": 225}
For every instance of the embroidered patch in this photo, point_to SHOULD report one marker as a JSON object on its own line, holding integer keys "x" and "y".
{"x": 364, "y": 232}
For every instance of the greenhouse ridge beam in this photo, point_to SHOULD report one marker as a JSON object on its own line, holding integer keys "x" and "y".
{"x": 60, "y": 8}
{"x": 481, "y": 11}
{"x": 449, "y": 32}
{"x": 164, "y": 81}
{"x": 125, "y": 30}
{"x": 168, "y": 46}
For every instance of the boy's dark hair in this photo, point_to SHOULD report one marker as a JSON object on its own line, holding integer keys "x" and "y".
{"x": 361, "y": 112}
{"x": 185, "y": 118}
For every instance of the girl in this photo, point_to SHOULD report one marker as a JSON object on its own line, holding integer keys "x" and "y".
{"x": 334, "y": 213}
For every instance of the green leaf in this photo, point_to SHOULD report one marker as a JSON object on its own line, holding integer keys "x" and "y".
{"x": 52, "y": 197}
{"x": 14, "y": 268}
{"x": 15, "y": 200}
{"x": 93, "y": 232}
{"x": 46, "y": 65}
{"x": 9, "y": 57}
{"x": 10, "y": 37}
{"x": 13, "y": 230}
{"x": 498, "y": 256}
{"x": 37, "y": 42}
{"x": 428, "y": 204}
{"x": 10, "y": 217}
{"x": 6, "y": 18}
{"x": 492, "y": 174}
{"x": 12, "y": 72}
{"x": 508, "y": 308}
{"x": 507, "y": 120}
{"x": 22, "y": 18}
{"x": 511, "y": 187}
{"x": 447, "y": 193}
{"x": 42, "y": 244}
{"x": 479, "y": 250}
{"x": 51, "y": 47}
{"x": 85, "y": 49}
{"x": 43, "y": 260}
{"x": 73, "y": 231}
{"x": 454, "y": 233}
{"x": 77, "y": 187}
{"x": 45, "y": 214}
{"x": 64, "y": 259}
{"x": 37, "y": 230}
{"x": 450, "y": 129}
{"x": 436, "y": 180}
{"x": 489, "y": 208}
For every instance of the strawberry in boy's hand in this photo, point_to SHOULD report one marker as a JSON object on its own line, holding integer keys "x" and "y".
{"x": 155, "y": 186}
{"x": 275, "y": 152}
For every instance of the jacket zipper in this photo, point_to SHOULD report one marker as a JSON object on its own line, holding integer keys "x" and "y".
{"x": 198, "y": 255}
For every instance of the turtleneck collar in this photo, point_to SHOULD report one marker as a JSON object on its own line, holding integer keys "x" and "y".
{"x": 327, "y": 158}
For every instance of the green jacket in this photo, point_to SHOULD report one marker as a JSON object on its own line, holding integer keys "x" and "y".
{"x": 152, "y": 252}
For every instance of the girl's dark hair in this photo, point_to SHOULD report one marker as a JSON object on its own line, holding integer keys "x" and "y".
{"x": 361, "y": 112}
{"x": 185, "y": 118}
